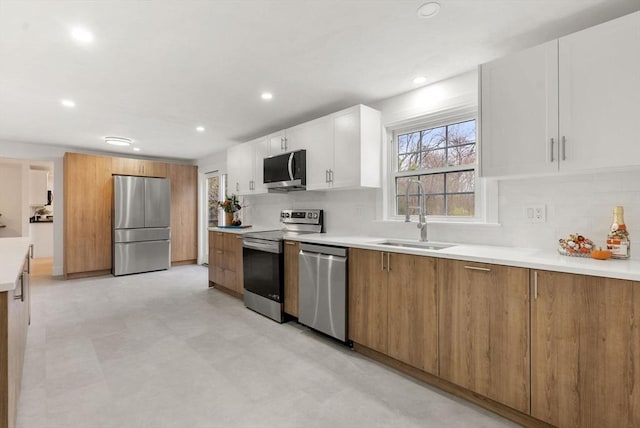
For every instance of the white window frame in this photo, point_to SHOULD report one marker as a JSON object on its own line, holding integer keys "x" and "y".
{"x": 441, "y": 118}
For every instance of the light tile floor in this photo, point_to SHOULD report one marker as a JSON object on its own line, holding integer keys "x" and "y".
{"x": 162, "y": 350}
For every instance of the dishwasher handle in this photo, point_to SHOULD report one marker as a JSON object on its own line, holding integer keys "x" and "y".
{"x": 323, "y": 249}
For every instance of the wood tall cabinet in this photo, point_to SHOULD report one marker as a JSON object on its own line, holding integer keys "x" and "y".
{"x": 88, "y": 201}
{"x": 88, "y": 194}
{"x": 291, "y": 251}
{"x": 585, "y": 346}
{"x": 392, "y": 306}
{"x": 225, "y": 262}
{"x": 483, "y": 340}
{"x": 14, "y": 322}
{"x": 184, "y": 200}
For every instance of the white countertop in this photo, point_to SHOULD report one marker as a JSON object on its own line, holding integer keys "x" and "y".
{"x": 509, "y": 256}
{"x": 240, "y": 231}
{"x": 12, "y": 253}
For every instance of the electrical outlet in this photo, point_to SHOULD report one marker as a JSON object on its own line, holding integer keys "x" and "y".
{"x": 536, "y": 213}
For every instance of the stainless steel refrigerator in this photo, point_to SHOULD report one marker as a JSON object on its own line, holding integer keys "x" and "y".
{"x": 141, "y": 224}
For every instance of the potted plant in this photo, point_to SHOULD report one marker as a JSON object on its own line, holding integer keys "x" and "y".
{"x": 230, "y": 205}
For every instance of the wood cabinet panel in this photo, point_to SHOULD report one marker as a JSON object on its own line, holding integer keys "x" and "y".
{"x": 88, "y": 190}
{"x": 412, "y": 316}
{"x": 291, "y": 250}
{"x": 584, "y": 345}
{"x": 184, "y": 203}
{"x": 368, "y": 299}
{"x": 483, "y": 332}
{"x": 225, "y": 261}
{"x": 139, "y": 167}
{"x": 14, "y": 322}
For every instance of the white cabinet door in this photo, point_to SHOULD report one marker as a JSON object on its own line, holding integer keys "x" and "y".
{"x": 316, "y": 137}
{"x": 240, "y": 169}
{"x": 519, "y": 113}
{"x": 345, "y": 171}
{"x": 37, "y": 188}
{"x": 600, "y": 96}
{"x": 277, "y": 143}
{"x": 261, "y": 151}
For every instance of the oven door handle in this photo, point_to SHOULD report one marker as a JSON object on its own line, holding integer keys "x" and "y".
{"x": 261, "y": 246}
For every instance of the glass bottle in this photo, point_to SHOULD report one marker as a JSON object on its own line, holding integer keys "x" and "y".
{"x": 618, "y": 239}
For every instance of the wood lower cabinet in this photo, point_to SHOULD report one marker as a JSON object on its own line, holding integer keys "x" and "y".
{"x": 392, "y": 306}
{"x": 184, "y": 220}
{"x": 291, "y": 250}
{"x": 483, "y": 337}
{"x": 88, "y": 190}
{"x": 585, "y": 347}
{"x": 14, "y": 322}
{"x": 225, "y": 262}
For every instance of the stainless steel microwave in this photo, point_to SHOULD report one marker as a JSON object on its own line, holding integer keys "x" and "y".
{"x": 286, "y": 172}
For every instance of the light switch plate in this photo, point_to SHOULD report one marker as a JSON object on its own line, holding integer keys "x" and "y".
{"x": 536, "y": 213}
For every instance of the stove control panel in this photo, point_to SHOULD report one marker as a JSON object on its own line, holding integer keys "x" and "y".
{"x": 313, "y": 217}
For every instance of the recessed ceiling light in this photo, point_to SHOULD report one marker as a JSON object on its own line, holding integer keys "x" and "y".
{"x": 68, "y": 103}
{"x": 81, "y": 35}
{"x": 118, "y": 141}
{"x": 428, "y": 10}
{"x": 200, "y": 128}
{"x": 419, "y": 80}
{"x": 266, "y": 96}
{"x": 136, "y": 149}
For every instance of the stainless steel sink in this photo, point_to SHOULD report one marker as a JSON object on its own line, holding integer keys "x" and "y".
{"x": 420, "y": 245}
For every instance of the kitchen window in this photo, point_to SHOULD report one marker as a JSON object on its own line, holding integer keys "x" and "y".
{"x": 443, "y": 157}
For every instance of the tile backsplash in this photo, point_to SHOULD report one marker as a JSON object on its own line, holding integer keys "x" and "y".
{"x": 576, "y": 203}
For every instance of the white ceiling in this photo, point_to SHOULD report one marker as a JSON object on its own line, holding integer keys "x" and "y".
{"x": 157, "y": 69}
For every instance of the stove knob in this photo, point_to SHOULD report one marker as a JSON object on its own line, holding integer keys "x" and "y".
{"x": 286, "y": 215}
{"x": 309, "y": 215}
{"x": 315, "y": 215}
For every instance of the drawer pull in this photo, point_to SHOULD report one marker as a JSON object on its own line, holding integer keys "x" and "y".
{"x": 535, "y": 285}
{"x": 289, "y": 243}
{"x": 21, "y": 296}
{"x": 478, "y": 268}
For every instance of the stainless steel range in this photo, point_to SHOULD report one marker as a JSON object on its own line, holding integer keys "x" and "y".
{"x": 263, "y": 261}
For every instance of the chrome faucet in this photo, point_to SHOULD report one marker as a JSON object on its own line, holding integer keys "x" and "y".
{"x": 422, "y": 221}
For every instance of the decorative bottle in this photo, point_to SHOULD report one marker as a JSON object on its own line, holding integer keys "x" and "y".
{"x": 618, "y": 239}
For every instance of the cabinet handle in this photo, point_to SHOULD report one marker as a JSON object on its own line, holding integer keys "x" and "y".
{"x": 239, "y": 237}
{"x": 330, "y": 176}
{"x": 21, "y": 296}
{"x": 289, "y": 243}
{"x": 564, "y": 147}
{"x": 552, "y": 145}
{"x": 282, "y": 144}
{"x": 388, "y": 263}
{"x": 382, "y": 261}
{"x": 535, "y": 284}
{"x": 326, "y": 175}
{"x": 285, "y": 144}
{"x": 237, "y": 186}
{"x": 219, "y": 251}
{"x": 31, "y": 251}
{"x": 478, "y": 268}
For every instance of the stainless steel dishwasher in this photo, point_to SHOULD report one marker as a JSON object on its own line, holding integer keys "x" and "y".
{"x": 322, "y": 293}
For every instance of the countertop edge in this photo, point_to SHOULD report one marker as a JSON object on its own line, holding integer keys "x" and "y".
{"x": 12, "y": 253}
{"x": 529, "y": 258}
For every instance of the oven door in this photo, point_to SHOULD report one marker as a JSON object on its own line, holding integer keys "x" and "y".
{"x": 263, "y": 266}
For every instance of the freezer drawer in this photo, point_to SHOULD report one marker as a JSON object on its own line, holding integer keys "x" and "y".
{"x": 136, "y": 257}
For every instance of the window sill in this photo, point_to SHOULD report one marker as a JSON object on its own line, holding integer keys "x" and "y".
{"x": 456, "y": 222}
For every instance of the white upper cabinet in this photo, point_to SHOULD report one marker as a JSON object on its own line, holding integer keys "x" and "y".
{"x": 568, "y": 105}
{"x": 318, "y": 137}
{"x": 284, "y": 141}
{"x": 244, "y": 167}
{"x": 38, "y": 187}
{"x": 350, "y": 156}
{"x": 600, "y": 96}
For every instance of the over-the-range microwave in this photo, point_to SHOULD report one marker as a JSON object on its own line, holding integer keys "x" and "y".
{"x": 286, "y": 172}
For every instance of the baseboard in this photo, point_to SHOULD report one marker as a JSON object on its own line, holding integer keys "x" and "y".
{"x": 76, "y": 275}
{"x": 183, "y": 262}
{"x": 226, "y": 290}
{"x": 453, "y": 389}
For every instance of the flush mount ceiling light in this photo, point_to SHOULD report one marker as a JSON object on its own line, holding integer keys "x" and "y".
{"x": 419, "y": 80}
{"x": 200, "y": 128}
{"x": 68, "y": 103}
{"x": 118, "y": 141}
{"x": 428, "y": 10}
{"x": 81, "y": 35}
{"x": 136, "y": 149}
{"x": 266, "y": 96}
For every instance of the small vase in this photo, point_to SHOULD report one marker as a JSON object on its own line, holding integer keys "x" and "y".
{"x": 228, "y": 218}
